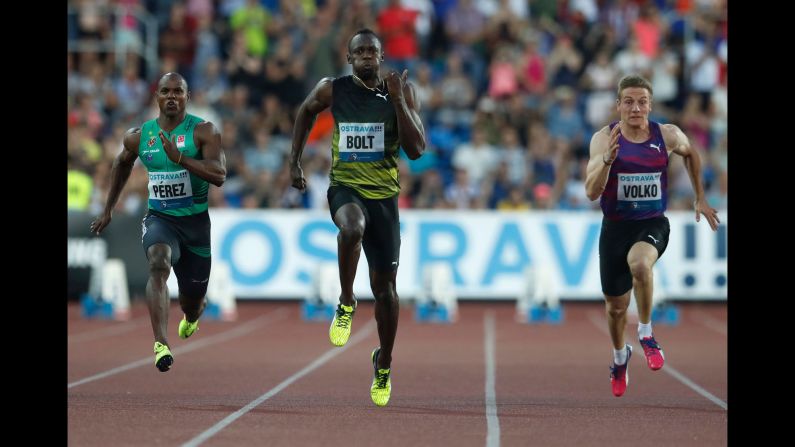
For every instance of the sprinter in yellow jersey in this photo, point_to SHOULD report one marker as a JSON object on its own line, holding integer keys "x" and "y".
{"x": 373, "y": 118}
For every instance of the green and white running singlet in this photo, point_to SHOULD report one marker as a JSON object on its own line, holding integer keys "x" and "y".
{"x": 172, "y": 189}
{"x": 365, "y": 145}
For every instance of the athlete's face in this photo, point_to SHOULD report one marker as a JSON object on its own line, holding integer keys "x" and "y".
{"x": 172, "y": 95}
{"x": 365, "y": 55}
{"x": 634, "y": 106}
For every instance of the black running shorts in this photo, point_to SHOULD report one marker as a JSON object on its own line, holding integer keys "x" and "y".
{"x": 381, "y": 241}
{"x": 615, "y": 241}
{"x": 189, "y": 239}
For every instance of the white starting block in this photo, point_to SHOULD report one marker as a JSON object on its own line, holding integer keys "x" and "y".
{"x": 437, "y": 301}
{"x": 221, "y": 301}
{"x": 324, "y": 295}
{"x": 109, "y": 296}
{"x": 663, "y": 311}
{"x": 540, "y": 298}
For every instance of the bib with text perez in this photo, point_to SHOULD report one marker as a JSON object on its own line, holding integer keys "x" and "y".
{"x": 361, "y": 142}
{"x": 170, "y": 190}
{"x": 639, "y": 191}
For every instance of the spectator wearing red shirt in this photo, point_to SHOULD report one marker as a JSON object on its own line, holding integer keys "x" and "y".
{"x": 396, "y": 28}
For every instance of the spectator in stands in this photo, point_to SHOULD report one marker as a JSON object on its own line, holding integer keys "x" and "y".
{"x": 79, "y": 185}
{"x": 253, "y": 20}
{"x": 477, "y": 158}
{"x": 396, "y": 25}
{"x": 315, "y": 34}
{"x": 178, "y": 39}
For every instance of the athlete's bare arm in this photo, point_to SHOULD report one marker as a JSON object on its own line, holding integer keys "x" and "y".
{"x": 212, "y": 166}
{"x": 119, "y": 174}
{"x": 677, "y": 142}
{"x": 604, "y": 150}
{"x": 411, "y": 133}
{"x": 317, "y": 101}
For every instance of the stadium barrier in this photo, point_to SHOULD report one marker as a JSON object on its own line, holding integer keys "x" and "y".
{"x": 274, "y": 253}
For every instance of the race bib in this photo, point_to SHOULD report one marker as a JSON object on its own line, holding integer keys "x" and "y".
{"x": 361, "y": 142}
{"x": 641, "y": 192}
{"x": 170, "y": 190}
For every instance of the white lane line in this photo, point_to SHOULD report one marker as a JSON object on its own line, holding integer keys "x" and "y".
{"x": 116, "y": 329}
{"x": 278, "y": 314}
{"x": 682, "y": 378}
{"x": 317, "y": 363}
{"x": 492, "y": 420}
{"x": 710, "y": 322}
{"x": 667, "y": 368}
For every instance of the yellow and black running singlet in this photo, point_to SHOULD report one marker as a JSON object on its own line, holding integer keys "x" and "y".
{"x": 172, "y": 189}
{"x": 364, "y": 147}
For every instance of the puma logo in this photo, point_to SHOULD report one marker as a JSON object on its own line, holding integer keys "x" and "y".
{"x": 656, "y": 146}
{"x": 652, "y": 238}
{"x": 381, "y": 96}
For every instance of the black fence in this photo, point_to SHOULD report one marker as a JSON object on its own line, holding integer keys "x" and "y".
{"x": 121, "y": 239}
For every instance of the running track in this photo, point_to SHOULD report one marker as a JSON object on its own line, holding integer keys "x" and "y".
{"x": 486, "y": 380}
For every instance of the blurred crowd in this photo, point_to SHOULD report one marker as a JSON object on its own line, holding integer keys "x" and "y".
{"x": 511, "y": 91}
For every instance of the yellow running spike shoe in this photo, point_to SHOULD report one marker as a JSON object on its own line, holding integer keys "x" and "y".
{"x": 186, "y": 328}
{"x": 340, "y": 328}
{"x": 163, "y": 357}
{"x": 381, "y": 388}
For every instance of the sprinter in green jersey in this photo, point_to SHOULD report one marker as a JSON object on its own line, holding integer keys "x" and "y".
{"x": 373, "y": 117}
{"x": 183, "y": 155}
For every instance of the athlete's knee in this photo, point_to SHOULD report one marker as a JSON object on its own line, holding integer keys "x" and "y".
{"x": 384, "y": 291}
{"x": 159, "y": 258}
{"x": 352, "y": 232}
{"x": 617, "y": 309}
{"x": 641, "y": 269}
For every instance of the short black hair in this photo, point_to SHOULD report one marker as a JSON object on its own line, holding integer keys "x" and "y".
{"x": 362, "y": 31}
{"x": 173, "y": 74}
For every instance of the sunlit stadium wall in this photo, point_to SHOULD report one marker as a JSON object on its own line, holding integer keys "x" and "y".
{"x": 273, "y": 253}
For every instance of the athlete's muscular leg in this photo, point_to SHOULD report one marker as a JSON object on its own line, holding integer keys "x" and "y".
{"x": 193, "y": 276}
{"x": 616, "y": 307}
{"x": 641, "y": 259}
{"x": 159, "y": 256}
{"x": 350, "y": 221}
{"x": 193, "y": 307}
{"x": 387, "y": 310}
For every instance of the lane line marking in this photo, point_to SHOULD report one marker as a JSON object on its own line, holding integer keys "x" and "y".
{"x": 667, "y": 368}
{"x": 107, "y": 331}
{"x": 492, "y": 420}
{"x": 317, "y": 363}
{"x": 706, "y": 320}
{"x": 276, "y": 315}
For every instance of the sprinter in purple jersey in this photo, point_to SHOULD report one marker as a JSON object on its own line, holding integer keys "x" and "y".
{"x": 628, "y": 171}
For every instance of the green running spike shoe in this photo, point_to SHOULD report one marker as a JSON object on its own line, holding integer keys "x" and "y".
{"x": 186, "y": 328}
{"x": 163, "y": 357}
{"x": 381, "y": 388}
{"x": 340, "y": 328}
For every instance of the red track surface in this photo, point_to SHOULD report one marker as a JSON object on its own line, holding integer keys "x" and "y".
{"x": 552, "y": 383}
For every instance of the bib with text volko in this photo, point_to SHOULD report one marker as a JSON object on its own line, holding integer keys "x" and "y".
{"x": 641, "y": 191}
{"x": 361, "y": 142}
{"x": 170, "y": 190}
